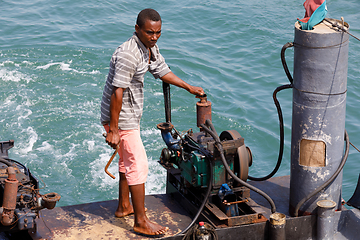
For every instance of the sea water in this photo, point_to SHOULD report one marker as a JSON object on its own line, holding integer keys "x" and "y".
{"x": 54, "y": 60}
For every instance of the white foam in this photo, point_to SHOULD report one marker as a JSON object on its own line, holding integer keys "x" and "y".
{"x": 45, "y": 147}
{"x": 8, "y": 101}
{"x": 66, "y": 67}
{"x": 151, "y": 131}
{"x": 89, "y": 144}
{"x": 97, "y": 173}
{"x": 62, "y": 65}
{"x": 156, "y": 180}
{"x": 13, "y": 76}
{"x": 72, "y": 153}
{"x": 6, "y": 62}
{"x": 28, "y": 144}
{"x": 27, "y": 63}
{"x": 25, "y": 113}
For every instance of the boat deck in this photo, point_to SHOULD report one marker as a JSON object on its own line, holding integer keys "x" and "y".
{"x": 97, "y": 221}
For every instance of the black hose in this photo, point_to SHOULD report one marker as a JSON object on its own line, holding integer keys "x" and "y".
{"x": 204, "y": 201}
{"x": 281, "y": 120}
{"x": 342, "y": 163}
{"x": 283, "y": 61}
{"x": 221, "y": 150}
{"x": 281, "y": 123}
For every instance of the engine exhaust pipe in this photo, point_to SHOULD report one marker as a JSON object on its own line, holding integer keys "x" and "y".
{"x": 9, "y": 199}
{"x": 203, "y": 110}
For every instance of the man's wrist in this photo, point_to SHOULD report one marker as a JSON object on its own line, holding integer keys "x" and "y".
{"x": 113, "y": 130}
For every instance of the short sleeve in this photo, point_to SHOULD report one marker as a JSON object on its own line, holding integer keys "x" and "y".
{"x": 158, "y": 68}
{"x": 124, "y": 63}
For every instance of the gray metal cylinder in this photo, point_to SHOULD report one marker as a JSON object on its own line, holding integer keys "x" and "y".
{"x": 318, "y": 118}
{"x": 325, "y": 219}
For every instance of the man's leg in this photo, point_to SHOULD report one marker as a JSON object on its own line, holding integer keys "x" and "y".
{"x": 141, "y": 223}
{"x": 124, "y": 208}
{"x": 136, "y": 167}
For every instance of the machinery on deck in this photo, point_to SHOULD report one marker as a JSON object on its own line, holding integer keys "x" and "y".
{"x": 20, "y": 199}
{"x": 195, "y": 169}
{"x": 210, "y": 171}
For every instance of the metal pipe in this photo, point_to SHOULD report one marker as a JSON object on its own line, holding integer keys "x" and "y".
{"x": 167, "y": 101}
{"x": 49, "y": 200}
{"x": 203, "y": 110}
{"x": 277, "y": 226}
{"x": 9, "y": 199}
{"x": 325, "y": 219}
{"x": 173, "y": 144}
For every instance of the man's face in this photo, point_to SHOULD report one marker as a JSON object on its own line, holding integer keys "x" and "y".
{"x": 149, "y": 33}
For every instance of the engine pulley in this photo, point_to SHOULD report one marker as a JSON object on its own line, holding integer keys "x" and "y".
{"x": 243, "y": 156}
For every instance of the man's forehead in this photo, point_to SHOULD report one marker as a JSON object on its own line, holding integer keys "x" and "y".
{"x": 152, "y": 24}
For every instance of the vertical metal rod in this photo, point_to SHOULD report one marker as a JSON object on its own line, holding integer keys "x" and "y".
{"x": 167, "y": 101}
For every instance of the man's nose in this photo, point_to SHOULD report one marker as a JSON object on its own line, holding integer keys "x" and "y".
{"x": 154, "y": 37}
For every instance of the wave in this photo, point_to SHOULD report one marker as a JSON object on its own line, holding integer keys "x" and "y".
{"x": 66, "y": 67}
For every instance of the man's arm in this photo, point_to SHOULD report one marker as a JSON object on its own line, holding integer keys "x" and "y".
{"x": 171, "y": 78}
{"x": 112, "y": 137}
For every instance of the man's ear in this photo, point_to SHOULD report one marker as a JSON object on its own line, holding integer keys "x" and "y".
{"x": 137, "y": 27}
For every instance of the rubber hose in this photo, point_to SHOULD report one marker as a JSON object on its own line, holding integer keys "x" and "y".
{"x": 281, "y": 123}
{"x": 8, "y": 163}
{"x": 221, "y": 150}
{"x": 342, "y": 163}
{"x": 283, "y": 61}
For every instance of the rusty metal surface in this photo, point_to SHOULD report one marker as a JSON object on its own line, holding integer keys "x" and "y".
{"x": 203, "y": 110}
{"x": 250, "y": 213}
{"x": 97, "y": 221}
{"x": 9, "y": 198}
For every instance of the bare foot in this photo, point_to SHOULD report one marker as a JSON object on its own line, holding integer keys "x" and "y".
{"x": 149, "y": 228}
{"x": 123, "y": 212}
{"x": 119, "y": 213}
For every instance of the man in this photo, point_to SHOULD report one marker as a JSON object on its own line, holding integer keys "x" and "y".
{"x": 121, "y": 111}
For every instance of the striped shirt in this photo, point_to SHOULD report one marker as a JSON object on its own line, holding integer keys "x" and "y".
{"x": 128, "y": 65}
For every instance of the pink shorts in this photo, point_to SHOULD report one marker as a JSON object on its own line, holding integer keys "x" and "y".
{"x": 133, "y": 160}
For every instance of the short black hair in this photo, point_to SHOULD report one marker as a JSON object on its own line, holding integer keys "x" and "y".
{"x": 147, "y": 14}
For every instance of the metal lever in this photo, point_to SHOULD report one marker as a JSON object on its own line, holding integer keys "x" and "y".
{"x": 110, "y": 160}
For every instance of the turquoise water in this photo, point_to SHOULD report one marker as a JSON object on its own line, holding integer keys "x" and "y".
{"x": 54, "y": 60}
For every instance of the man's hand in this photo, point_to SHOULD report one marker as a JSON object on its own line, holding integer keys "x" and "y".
{"x": 113, "y": 139}
{"x": 198, "y": 91}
